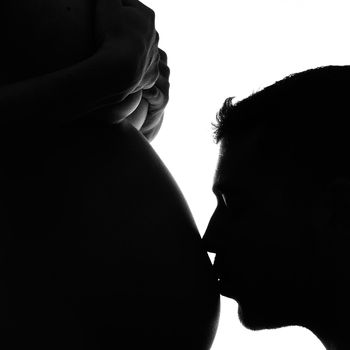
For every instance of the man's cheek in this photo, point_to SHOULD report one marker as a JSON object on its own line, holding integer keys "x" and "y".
{"x": 256, "y": 248}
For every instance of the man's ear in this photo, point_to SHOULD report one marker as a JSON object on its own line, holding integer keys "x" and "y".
{"x": 340, "y": 195}
{"x": 332, "y": 207}
{"x": 340, "y": 231}
{"x": 331, "y": 222}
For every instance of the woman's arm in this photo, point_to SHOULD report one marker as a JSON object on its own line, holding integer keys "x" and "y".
{"x": 125, "y": 63}
{"x": 65, "y": 95}
{"x": 157, "y": 98}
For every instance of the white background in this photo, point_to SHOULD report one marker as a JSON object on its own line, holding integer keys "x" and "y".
{"x": 223, "y": 48}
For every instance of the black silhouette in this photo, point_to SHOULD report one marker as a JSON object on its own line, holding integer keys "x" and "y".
{"x": 281, "y": 227}
{"x": 98, "y": 247}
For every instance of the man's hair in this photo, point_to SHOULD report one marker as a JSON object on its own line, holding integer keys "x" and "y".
{"x": 308, "y": 112}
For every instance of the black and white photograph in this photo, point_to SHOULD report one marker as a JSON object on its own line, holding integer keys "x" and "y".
{"x": 174, "y": 174}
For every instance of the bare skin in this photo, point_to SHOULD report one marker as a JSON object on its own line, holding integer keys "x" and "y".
{"x": 110, "y": 78}
{"x": 98, "y": 247}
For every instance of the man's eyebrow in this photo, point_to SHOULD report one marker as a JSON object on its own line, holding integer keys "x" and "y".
{"x": 217, "y": 187}
{"x": 221, "y": 187}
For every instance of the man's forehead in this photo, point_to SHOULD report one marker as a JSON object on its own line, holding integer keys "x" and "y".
{"x": 227, "y": 175}
{"x": 236, "y": 156}
{"x": 245, "y": 162}
{"x": 222, "y": 172}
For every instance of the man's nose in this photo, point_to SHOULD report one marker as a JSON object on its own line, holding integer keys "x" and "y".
{"x": 210, "y": 236}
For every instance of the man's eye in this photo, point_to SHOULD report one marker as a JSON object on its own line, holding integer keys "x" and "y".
{"x": 232, "y": 203}
{"x": 224, "y": 199}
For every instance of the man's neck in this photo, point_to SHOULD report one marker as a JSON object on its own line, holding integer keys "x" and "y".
{"x": 333, "y": 335}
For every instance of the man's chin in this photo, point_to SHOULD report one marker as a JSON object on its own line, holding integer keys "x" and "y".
{"x": 256, "y": 310}
{"x": 255, "y": 313}
{"x": 247, "y": 320}
{"x": 257, "y": 317}
{"x": 226, "y": 290}
{"x": 251, "y": 321}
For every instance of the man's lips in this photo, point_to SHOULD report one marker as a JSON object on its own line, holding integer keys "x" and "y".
{"x": 217, "y": 265}
{"x": 226, "y": 289}
{"x": 227, "y": 284}
{"x": 218, "y": 272}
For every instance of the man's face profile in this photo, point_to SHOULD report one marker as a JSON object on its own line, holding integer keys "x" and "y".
{"x": 261, "y": 233}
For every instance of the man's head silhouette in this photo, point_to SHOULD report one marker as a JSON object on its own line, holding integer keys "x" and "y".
{"x": 281, "y": 227}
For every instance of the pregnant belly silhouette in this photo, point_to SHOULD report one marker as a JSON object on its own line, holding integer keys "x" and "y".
{"x": 101, "y": 248}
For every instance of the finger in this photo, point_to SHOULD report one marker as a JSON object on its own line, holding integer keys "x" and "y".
{"x": 164, "y": 86}
{"x": 156, "y": 39}
{"x": 151, "y": 75}
{"x": 151, "y": 134}
{"x": 139, "y": 5}
{"x": 138, "y": 117}
{"x": 163, "y": 56}
{"x": 152, "y": 122}
{"x": 152, "y": 95}
{"x": 161, "y": 84}
{"x": 142, "y": 7}
{"x": 164, "y": 69}
{"x": 163, "y": 78}
{"x": 153, "y": 51}
{"x": 157, "y": 98}
{"x": 156, "y": 58}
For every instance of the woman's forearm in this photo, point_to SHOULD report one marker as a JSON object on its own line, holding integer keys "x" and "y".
{"x": 66, "y": 95}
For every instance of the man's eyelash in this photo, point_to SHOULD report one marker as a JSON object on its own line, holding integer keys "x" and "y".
{"x": 224, "y": 199}
{"x": 232, "y": 203}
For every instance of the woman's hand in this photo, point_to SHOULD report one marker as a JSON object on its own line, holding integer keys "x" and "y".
{"x": 128, "y": 48}
{"x": 144, "y": 109}
{"x": 138, "y": 117}
{"x": 148, "y": 116}
{"x": 157, "y": 98}
{"x": 114, "y": 77}
{"x": 125, "y": 32}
